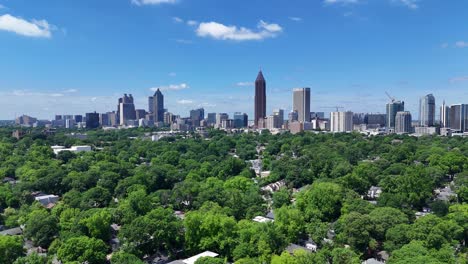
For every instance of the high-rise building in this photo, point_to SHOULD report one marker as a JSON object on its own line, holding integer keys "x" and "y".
{"x": 280, "y": 115}
{"x": 104, "y": 119}
{"x": 196, "y": 116}
{"x": 126, "y": 109}
{"x": 25, "y": 120}
{"x": 168, "y": 118}
{"x": 211, "y": 119}
{"x": 260, "y": 98}
{"x": 140, "y": 114}
{"x": 392, "y": 109}
{"x": 374, "y": 120}
{"x": 427, "y": 110}
{"x": 358, "y": 118}
{"x": 459, "y": 117}
{"x": 78, "y": 118}
{"x": 219, "y": 119}
{"x": 320, "y": 115}
{"x": 444, "y": 115}
{"x": 403, "y": 122}
{"x": 301, "y": 104}
{"x": 92, "y": 120}
{"x": 341, "y": 121}
{"x": 150, "y": 104}
{"x": 112, "y": 118}
{"x": 241, "y": 120}
{"x": 157, "y": 104}
{"x": 58, "y": 117}
{"x": 293, "y": 116}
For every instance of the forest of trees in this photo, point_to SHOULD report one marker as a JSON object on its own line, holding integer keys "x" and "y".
{"x": 138, "y": 185}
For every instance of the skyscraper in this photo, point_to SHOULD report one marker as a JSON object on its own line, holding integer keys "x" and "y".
{"x": 211, "y": 120}
{"x": 341, "y": 121}
{"x": 301, "y": 104}
{"x": 260, "y": 98}
{"x": 392, "y": 109}
{"x": 444, "y": 115}
{"x": 158, "y": 106}
{"x": 459, "y": 117}
{"x": 196, "y": 116}
{"x": 240, "y": 120}
{"x": 92, "y": 120}
{"x": 126, "y": 109}
{"x": 427, "y": 110}
{"x": 403, "y": 122}
{"x": 280, "y": 115}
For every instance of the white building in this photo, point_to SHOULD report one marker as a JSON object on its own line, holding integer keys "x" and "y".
{"x": 341, "y": 121}
{"x": 74, "y": 149}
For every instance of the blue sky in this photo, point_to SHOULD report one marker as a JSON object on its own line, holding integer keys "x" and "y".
{"x": 72, "y": 57}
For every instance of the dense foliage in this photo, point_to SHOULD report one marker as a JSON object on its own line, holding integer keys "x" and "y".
{"x": 138, "y": 185}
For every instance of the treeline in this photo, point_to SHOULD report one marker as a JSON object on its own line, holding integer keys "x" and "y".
{"x": 137, "y": 185}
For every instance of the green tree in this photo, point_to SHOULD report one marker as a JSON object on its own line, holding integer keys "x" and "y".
{"x": 41, "y": 227}
{"x": 83, "y": 249}
{"x": 125, "y": 258}
{"x": 323, "y": 201}
{"x": 11, "y": 247}
{"x": 383, "y": 218}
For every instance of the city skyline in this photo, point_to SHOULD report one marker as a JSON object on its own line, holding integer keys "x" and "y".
{"x": 348, "y": 54}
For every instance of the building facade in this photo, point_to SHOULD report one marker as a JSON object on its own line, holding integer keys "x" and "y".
{"x": 341, "y": 121}
{"x": 301, "y": 104}
{"x": 427, "y": 110}
{"x": 444, "y": 115}
{"x": 459, "y": 117}
{"x": 158, "y": 106}
{"x": 392, "y": 109}
{"x": 403, "y": 122}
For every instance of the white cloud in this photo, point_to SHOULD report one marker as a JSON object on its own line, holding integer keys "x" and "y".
{"x": 185, "y": 101}
{"x": 244, "y": 84}
{"x": 153, "y": 2}
{"x": 222, "y": 32}
{"x": 459, "y": 79}
{"x": 33, "y": 28}
{"x": 297, "y": 19}
{"x": 172, "y": 74}
{"x": 342, "y": 2}
{"x": 172, "y": 87}
{"x": 408, "y": 3}
{"x": 461, "y": 44}
{"x": 178, "y": 19}
{"x": 192, "y": 23}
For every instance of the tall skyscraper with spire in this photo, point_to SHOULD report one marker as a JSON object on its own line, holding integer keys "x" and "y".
{"x": 260, "y": 98}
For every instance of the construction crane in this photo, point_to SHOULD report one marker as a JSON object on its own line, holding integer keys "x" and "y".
{"x": 391, "y": 97}
{"x": 336, "y": 107}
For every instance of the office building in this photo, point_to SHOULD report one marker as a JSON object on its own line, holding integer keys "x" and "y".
{"x": 301, "y": 104}
{"x": 157, "y": 104}
{"x": 280, "y": 114}
{"x": 403, "y": 121}
{"x": 427, "y": 110}
{"x": 197, "y": 115}
{"x": 58, "y": 117}
{"x": 150, "y": 104}
{"x": 260, "y": 98}
{"x": 112, "y": 118}
{"x": 241, "y": 120}
{"x": 392, "y": 109}
{"x": 220, "y": 117}
{"x": 168, "y": 118}
{"x": 140, "y": 114}
{"x": 444, "y": 115}
{"x": 341, "y": 121}
{"x": 70, "y": 123}
{"x": 320, "y": 115}
{"x": 25, "y": 120}
{"x": 126, "y": 109}
{"x": 292, "y": 117}
{"x": 359, "y": 118}
{"x": 211, "y": 119}
{"x": 459, "y": 117}
{"x": 375, "y": 120}
{"x": 92, "y": 120}
{"x": 104, "y": 119}
{"x": 78, "y": 118}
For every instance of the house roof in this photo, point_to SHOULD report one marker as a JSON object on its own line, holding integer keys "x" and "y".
{"x": 12, "y": 232}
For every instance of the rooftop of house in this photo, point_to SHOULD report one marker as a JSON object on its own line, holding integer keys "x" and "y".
{"x": 12, "y": 232}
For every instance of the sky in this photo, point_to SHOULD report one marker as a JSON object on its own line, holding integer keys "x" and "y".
{"x": 72, "y": 57}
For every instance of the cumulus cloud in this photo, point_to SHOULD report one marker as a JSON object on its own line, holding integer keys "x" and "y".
{"x": 153, "y": 2}
{"x": 171, "y": 87}
{"x": 185, "y": 101}
{"x": 219, "y": 31}
{"x": 20, "y": 26}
